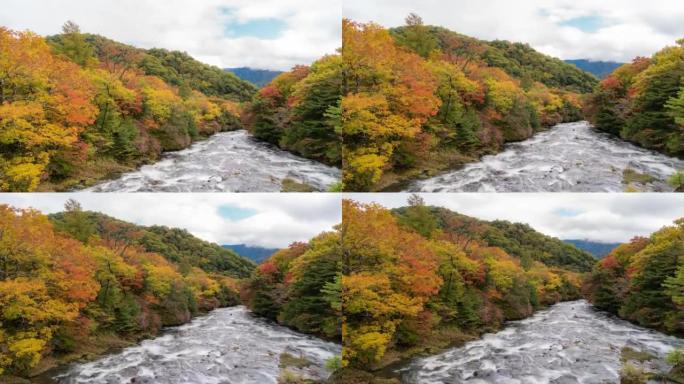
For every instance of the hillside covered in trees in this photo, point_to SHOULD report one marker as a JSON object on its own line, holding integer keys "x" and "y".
{"x": 76, "y": 108}
{"x": 422, "y": 278}
{"x": 643, "y": 281}
{"x": 79, "y": 283}
{"x": 300, "y": 287}
{"x": 419, "y": 99}
{"x": 643, "y": 102}
{"x": 299, "y": 111}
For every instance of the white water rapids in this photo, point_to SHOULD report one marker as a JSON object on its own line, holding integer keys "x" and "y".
{"x": 571, "y": 157}
{"x": 225, "y": 162}
{"x": 565, "y": 344}
{"x": 227, "y": 346}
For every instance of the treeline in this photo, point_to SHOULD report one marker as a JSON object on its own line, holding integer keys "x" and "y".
{"x": 419, "y": 99}
{"x": 77, "y": 108}
{"x": 300, "y": 287}
{"x": 643, "y": 281}
{"x": 643, "y": 102}
{"x": 422, "y": 278}
{"x": 79, "y": 283}
{"x": 299, "y": 111}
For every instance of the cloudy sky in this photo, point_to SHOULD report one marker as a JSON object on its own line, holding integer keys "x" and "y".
{"x": 268, "y": 34}
{"x": 599, "y": 217}
{"x": 616, "y": 30}
{"x": 269, "y": 220}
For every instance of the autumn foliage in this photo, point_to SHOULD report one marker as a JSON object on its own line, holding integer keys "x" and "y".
{"x": 643, "y": 101}
{"x": 299, "y": 286}
{"x": 418, "y": 272}
{"x": 421, "y": 97}
{"x": 75, "y": 108}
{"x": 72, "y": 282}
{"x": 643, "y": 280}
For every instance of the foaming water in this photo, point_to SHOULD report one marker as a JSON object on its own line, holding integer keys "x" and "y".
{"x": 226, "y": 162}
{"x": 570, "y": 157}
{"x": 227, "y": 346}
{"x": 568, "y": 343}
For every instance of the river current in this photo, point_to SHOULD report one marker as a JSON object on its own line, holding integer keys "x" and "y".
{"x": 570, "y": 157}
{"x": 567, "y": 343}
{"x": 226, "y": 162}
{"x": 227, "y": 346}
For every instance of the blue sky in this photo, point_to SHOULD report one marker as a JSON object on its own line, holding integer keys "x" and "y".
{"x": 615, "y": 30}
{"x": 567, "y": 212}
{"x": 588, "y": 24}
{"x": 267, "y": 29}
{"x": 235, "y": 213}
{"x": 265, "y": 34}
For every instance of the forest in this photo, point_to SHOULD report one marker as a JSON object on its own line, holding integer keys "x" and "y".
{"x": 77, "y": 108}
{"x": 643, "y": 102}
{"x": 419, "y": 99}
{"x": 420, "y": 279}
{"x": 300, "y": 287}
{"x": 299, "y": 111}
{"x": 643, "y": 281}
{"x": 79, "y": 283}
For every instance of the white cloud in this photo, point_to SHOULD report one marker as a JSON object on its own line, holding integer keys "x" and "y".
{"x": 280, "y": 219}
{"x": 312, "y": 28}
{"x": 631, "y": 27}
{"x": 608, "y": 217}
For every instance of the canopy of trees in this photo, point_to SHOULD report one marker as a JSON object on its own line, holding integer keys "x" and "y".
{"x": 299, "y": 111}
{"x": 643, "y": 280}
{"x": 300, "y": 287}
{"x": 420, "y": 99}
{"x": 421, "y": 276}
{"x": 643, "y": 102}
{"x": 76, "y": 108}
{"x": 78, "y": 278}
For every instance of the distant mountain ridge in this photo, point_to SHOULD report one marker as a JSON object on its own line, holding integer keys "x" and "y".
{"x": 254, "y": 253}
{"x": 599, "y": 68}
{"x": 598, "y": 249}
{"x": 259, "y": 77}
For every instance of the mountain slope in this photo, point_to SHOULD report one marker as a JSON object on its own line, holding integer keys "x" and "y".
{"x": 643, "y": 280}
{"x": 174, "y": 244}
{"x": 423, "y": 278}
{"x": 80, "y": 108}
{"x": 643, "y": 102}
{"x": 595, "y": 248}
{"x": 600, "y": 69}
{"x": 420, "y": 99}
{"x": 254, "y": 253}
{"x": 259, "y": 77}
{"x": 517, "y": 59}
{"x": 174, "y": 67}
{"x": 517, "y": 239}
{"x": 78, "y": 284}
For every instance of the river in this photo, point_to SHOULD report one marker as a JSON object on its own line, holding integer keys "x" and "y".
{"x": 571, "y": 157}
{"x": 226, "y": 162}
{"x": 227, "y": 346}
{"x": 567, "y": 343}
